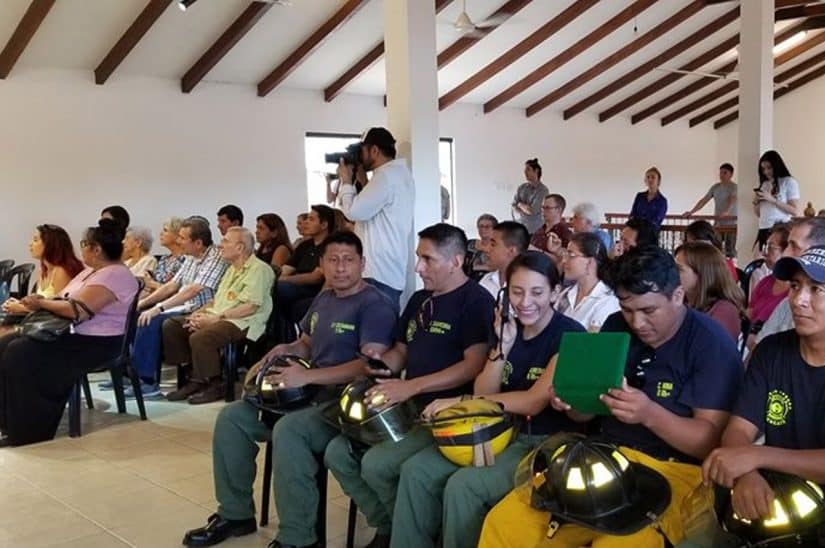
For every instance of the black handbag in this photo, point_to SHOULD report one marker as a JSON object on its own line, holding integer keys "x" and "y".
{"x": 42, "y": 325}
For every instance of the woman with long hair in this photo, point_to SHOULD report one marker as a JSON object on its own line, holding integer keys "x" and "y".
{"x": 437, "y": 497}
{"x": 776, "y": 198}
{"x": 702, "y": 231}
{"x": 274, "y": 248}
{"x": 588, "y": 301}
{"x": 52, "y": 246}
{"x": 650, "y": 204}
{"x": 709, "y": 287}
{"x": 36, "y": 377}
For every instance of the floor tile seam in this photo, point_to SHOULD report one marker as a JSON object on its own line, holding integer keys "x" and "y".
{"x": 80, "y": 513}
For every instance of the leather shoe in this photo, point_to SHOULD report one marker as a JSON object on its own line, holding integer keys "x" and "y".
{"x": 279, "y": 544}
{"x": 218, "y": 530}
{"x": 379, "y": 541}
{"x": 211, "y": 392}
{"x": 188, "y": 389}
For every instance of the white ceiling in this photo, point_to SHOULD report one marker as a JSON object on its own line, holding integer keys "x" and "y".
{"x": 77, "y": 34}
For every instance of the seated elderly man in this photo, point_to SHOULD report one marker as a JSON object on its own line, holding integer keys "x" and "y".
{"x": 190, "y": 288}
{"x": 239, "y": 311}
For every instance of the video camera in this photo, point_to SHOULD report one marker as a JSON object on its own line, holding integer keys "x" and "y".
{"x": 351, "y": 157}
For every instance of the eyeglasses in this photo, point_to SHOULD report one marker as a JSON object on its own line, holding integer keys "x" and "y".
{"x": 638, "y": 379}
{"x": 425, "y": 314}
{"x": 570, "y": 255}
{"x": 85, "y": 243}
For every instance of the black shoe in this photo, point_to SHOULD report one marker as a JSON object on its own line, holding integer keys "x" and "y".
{"x": 279, "y": 544}
{"x": 379, "y": 541}
{"x": 218, "y": 530}
{"x": 5, "y": 441}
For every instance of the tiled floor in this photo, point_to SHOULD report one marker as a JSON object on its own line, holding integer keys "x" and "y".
{"x": 128, "y": 483}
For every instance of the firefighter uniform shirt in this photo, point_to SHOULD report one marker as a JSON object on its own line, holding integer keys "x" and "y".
{"x": 783, "y": 395}
{"x": 698, "y": 368}
{"x": 438, "y": 329}
{"x": 527, "y": 361}
{"x": 340, "y": 326}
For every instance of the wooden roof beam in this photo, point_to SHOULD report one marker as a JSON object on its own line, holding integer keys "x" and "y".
{"x": 334, "y": 89}
{"x": 656, "y": 61}
{"x": 701, "y": 83}
{"x": 466, "y": 42}
{"x": 617, "y": 57}
{"x": 800, "y": 11}
{"x": 516, "y": 52}
{"x": 22, "y": 35}
{"x": 302, "y": 52}
{"x": 231, "y": 36}
{"x": 139, "y": 27}
{"x": 779, "y": 78}
{"x": 791, "y": 86}
{"x": 569, "y": 54}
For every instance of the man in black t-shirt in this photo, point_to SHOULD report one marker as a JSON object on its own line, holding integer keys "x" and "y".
{"x": 681, "y": 378}
{"x": 302, "y": 277}
{"x": 443, "y": 338}
{"x": 783, "y": 398}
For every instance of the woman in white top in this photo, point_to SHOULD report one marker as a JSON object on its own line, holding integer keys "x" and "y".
{"x": 777, "y": 197}
{"x": 136, "y": 247}
{"x": 588, "y": 301}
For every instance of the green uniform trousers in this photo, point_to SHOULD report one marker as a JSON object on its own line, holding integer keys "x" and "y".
{"x": 437, "y": 497}
{"x": 298, "y": 439}
{"x": 372, "y": 482}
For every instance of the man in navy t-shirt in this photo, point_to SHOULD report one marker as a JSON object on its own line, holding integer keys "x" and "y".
{"x": 783, "y": 398}
{"x": 681, "y": 378}
{"x": 349, "y": 317}
{"x": 442, "y": 341}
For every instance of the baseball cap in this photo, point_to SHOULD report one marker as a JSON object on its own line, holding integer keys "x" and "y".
{"x": 812, "y": 263}
{"x": 380, "y": 137}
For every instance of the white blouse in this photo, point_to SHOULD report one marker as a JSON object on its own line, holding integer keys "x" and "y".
{"x": 593, "y": 310}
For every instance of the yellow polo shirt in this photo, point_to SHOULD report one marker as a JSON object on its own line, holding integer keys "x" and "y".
{"x": 252, "y": 283}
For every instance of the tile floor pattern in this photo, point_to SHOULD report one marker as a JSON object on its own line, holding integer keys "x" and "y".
{"x": 126, "y": 482}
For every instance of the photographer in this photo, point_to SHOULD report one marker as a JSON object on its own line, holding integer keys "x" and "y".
{"x": 382, "y": 211}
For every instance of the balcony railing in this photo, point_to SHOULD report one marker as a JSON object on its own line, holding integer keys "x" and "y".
{"x": 672, "y": 231}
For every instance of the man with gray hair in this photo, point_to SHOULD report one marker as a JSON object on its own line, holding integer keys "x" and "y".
{"x": 239, "y": 311}
{"x": 191, "y": 288}
{"x": 586, "y": 218}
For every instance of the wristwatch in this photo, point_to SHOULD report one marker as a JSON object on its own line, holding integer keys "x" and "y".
{"x": 160, "y": 307}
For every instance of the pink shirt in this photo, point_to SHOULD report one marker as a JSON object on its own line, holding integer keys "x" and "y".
{"x": 111, "y": 320}
{"x": 763, "y": 301}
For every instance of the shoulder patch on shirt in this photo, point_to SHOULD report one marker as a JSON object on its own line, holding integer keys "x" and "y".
{"x": 313, "y": 321}
{"x": 779, "y": 405}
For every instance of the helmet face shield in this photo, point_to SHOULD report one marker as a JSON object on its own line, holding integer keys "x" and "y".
{"x": 530, "y": 478}
{"x": 275, "y": 397}
{"x": 363, "y": 420}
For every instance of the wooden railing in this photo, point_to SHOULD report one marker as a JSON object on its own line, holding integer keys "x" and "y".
{"x": 672, "y": 231}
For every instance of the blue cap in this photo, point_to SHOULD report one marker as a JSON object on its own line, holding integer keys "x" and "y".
{"x": 812, "y": 263}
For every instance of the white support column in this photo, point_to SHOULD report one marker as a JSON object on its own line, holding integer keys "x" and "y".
{"x": 412, "y": 99}
{"x": 755, "y": 110}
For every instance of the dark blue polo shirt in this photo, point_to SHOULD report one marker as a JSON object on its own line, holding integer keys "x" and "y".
{"x": 783, "y": 395}
{"x": 437, "y": 330}
{"x": 527, "y": 361}
{"x": 698, "y": 368}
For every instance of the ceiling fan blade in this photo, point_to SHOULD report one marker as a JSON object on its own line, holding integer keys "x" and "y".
{"x": 493, "y": 21}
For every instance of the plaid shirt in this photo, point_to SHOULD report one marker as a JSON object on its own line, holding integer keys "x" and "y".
{"x": 206, "y": 271}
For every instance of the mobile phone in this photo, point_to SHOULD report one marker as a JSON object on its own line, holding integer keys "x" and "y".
{"x": 374, "y": 363}
{"x": 504, "y": 303}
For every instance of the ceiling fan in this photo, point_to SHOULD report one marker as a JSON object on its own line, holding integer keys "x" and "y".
{"x": 719, "y": 75}
{"x": 465, "y": 25}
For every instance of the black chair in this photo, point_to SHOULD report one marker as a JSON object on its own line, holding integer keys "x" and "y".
{"x": 745, "y": 277}
{"x": 22, "y": 274}
{"x": 121, "y": 364}
{"x": 321, "y": 521}
{"x": 5, "y": 266}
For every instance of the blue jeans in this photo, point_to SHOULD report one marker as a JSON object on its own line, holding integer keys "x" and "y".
{"x": 392, "y": 293}
{"x": 146, "y": 350}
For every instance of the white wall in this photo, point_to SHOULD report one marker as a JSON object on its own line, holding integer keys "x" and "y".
{"x": 799, "y": 136}
{"x": 69, "y": 148}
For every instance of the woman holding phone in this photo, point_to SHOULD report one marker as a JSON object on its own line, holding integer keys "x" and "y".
{"x": 436, "y": 496}
{"x": 776, "y": 199}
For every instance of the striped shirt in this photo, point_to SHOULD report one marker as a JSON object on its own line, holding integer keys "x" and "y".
{"x": 205, "y": 271}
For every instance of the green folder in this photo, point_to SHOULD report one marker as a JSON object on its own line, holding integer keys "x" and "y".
{"x": 588, "y": 365}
